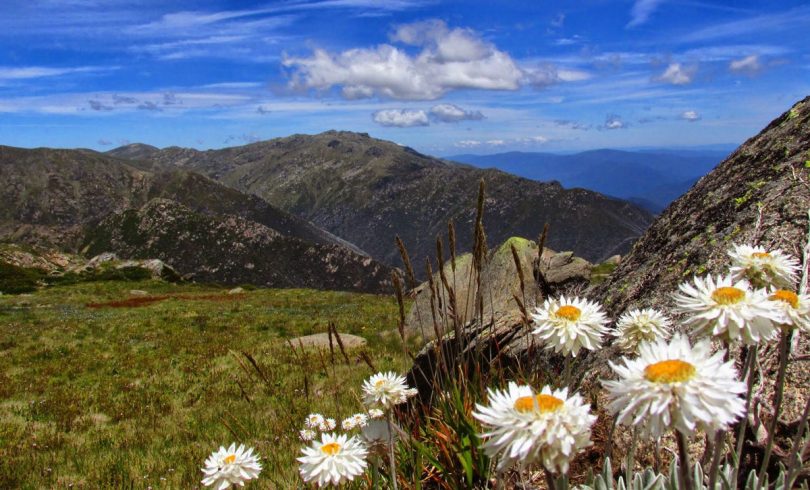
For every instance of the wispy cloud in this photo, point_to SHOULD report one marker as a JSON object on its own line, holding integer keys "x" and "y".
{"x": 642, "y": 10}
{"x": 690, "y": 116}
{"x": 793, "y": 19}
{"x": 30, "y": 72}
{"x": 750, "y": 65}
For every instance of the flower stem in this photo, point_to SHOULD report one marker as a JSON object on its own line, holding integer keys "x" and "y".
{"x": 795, "y": 462}
{"x": 784, "y": 353}
{"x": 391, "y": 459}
{"x": 631, "y": 457}
{"x": 719, "y": 446}
{"x": 684, "y": 468}
{"x": 550, "y": 483}
{"x": 748, "y": 368}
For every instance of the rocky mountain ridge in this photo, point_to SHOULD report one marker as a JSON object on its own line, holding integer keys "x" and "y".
{"x": 57, "y": 197}
{"x": 368, "y": 190}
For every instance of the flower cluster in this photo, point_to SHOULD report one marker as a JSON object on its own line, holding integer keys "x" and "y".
{"x": 664, "y": 383}
{"x": 337, "y": 458}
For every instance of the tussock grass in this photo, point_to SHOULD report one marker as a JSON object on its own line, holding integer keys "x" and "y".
{"x": 138, "y": 397}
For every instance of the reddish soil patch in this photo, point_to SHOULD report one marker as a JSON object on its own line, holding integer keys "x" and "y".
{"x": 148, "y": 300}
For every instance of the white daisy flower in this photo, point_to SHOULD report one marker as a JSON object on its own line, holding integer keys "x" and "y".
{"x": 524, "y": 427}
{"x": 306, "y": 435}
{"x": 638, "y": 326}
{"x": 375, "y": 413}
{"x": 232, "y": 466}
{"x": 314, "y": 420}
{"x": 769, "y": 267}
{"x": 795, "y": 309}
{"x": 385, "y": 389}
{"x": 569, "y": 325}
{"x": 728, "y": 309}
{"x": 327, "y": 425}
{"x": 360, "y": 419}
{"x": 347, "y": 424}
{"x": 674, "y": 385}
{"x": 333, "y": 460}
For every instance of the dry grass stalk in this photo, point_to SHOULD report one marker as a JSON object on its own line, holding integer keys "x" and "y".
{"x": 406, "y": 261}
{"x": 401, "y": 302}
{"x": 521, "y": 302}
{"x": 367, "y": 359}
{"x": 339, "y": 342}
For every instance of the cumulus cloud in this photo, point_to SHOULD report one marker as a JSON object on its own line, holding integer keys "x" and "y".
{"x": 400, "y": 118}
{"x": 677, "y": 74}
{"x": 750, "y": 65}
{"x": 613, "y": 121}
{"x": 451, "y": 113}
{"x": 448, "y": 59}
{"x": 642, "y": 10}
{"x": 690, "y": 116}
{"x": 468, "y": 143}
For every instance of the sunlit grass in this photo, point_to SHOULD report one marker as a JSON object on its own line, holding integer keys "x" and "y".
{"x": 101, "y": 397}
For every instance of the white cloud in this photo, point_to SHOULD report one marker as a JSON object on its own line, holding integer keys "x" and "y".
{"x": 468, "y": 143}
{"x": 401, "y": 118}
{"x": 677, "y": 74}
{"x": 690, "y": 116}
{"x": 749, "y": 65}
{"x": 451, "y": 113}
{"x": 533, "y": 140}
{"x": 642, "y": 10}
{"x": 496, "y": 142}
{"x": 449, "y": 59}
{"x": 29, "y": 72}
{"x": 613, "y": 121}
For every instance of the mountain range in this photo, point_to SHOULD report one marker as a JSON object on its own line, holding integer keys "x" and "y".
{"x": 84, "y": 201}
{"x": 366, "y": 191}
{"x": 316, "y": 211}
{"x": 649, "y": 178}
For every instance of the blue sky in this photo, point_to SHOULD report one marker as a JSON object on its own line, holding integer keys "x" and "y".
{"x": 442, "y": 77}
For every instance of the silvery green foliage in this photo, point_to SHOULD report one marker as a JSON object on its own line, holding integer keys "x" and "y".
{"x": 752, "y": 483}
{"x": 650, "y": 480}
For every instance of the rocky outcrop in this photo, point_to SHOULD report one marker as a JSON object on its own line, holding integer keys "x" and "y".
{"x": 562, "y": 273}
{"x": 229, "y": 249}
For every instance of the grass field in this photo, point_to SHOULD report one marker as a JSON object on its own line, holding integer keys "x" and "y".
{"x": 137, "y": 396}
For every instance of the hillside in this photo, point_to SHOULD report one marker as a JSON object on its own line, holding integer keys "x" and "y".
{"x": 232, "y": 250}
{"x": 53, "y": 197}
{"x": 367, "y": 191}
{"x": 651, "y": 178}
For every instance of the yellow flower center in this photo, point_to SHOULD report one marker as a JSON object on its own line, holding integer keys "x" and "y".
{"x": 538, "y": 403}
{"x": 669, "y": 371}
{"x": 570, "y": 313}
{"x": 728, "y": 295}
{"x": 379, "y": 383}
{"x": 788, "y": 297}
{"x": 760, "y": 255}
{"x": 330, "y": 448}
{"x": 229, "y": 459}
